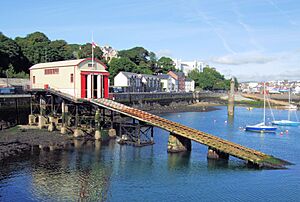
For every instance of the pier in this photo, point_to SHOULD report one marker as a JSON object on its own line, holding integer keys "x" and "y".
{"x": 54, "y": 109}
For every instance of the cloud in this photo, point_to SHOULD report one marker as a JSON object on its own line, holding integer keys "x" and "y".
{"x": 164, "y": 52}
{"x": 243, "y": 58}
{"x": 255, "y": 66}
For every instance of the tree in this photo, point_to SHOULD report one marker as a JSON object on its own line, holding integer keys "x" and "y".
{"x": 11, "y": 55}
{"x": 121, "y": 64}
{"x": 34, "y": 47}
{"x": 136, "y": 55}
{"x": 85, "y": 51}
{"x": 165, "y": 64}
{"x": 209, "y": 79}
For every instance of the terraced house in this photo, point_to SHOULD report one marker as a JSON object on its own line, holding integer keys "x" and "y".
{"x": 133, "y": 82}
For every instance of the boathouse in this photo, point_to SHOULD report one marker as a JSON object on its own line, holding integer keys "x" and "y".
{"x": 82, "y": 78}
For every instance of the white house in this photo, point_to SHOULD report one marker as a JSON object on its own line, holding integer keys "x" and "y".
{"x": 166, "y": 82}
{"x": 133, "y": 82}
{"x": 189, "y": 85}
{"x": 187, "y": 66}
{"x": 82, "y": 78}
{"x": 109, "y": 52}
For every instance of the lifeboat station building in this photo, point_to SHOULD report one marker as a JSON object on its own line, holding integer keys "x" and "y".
{"x": 82, "y": 78}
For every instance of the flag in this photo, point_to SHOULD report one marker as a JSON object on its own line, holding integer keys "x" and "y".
{"x": 94, "y": 45}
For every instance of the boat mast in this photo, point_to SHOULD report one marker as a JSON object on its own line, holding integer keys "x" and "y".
{"x": 264, "y": 103}
{"x": 289, "y": 116}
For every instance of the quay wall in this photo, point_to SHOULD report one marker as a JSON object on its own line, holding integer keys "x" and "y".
{"x": 164, "y": 97}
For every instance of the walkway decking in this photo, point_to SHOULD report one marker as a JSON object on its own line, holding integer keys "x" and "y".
{"x": 233, "y": 149}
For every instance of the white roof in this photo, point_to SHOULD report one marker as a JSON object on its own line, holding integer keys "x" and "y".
{"x": 60, "y": 63}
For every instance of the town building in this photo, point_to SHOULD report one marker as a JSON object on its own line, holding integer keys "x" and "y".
{"x": 82, "y": 78}
{"x": 109, "y": 52}
{"x": 133, "y": 82}
{"x": 188, "y": 66}
{"x": 179, "y": 80}
{"x": 168, "y": 83}
{"x": 189, "y": 85}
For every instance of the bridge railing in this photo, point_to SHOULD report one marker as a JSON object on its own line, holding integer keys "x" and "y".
{"x": 148, "y": 96}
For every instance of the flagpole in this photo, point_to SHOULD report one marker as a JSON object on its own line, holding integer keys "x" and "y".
{"x": 92, "y": 49}
{"x": 92, "y": 65}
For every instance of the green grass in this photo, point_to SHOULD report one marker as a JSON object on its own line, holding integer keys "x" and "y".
{"x": 250, "y": 103}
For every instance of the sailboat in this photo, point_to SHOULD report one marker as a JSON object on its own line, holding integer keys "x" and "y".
{"x": 288, "y": 122}
{"x": 262, "y": 127}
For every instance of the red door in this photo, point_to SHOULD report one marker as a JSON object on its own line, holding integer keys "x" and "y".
{"x": 83, "y": 86}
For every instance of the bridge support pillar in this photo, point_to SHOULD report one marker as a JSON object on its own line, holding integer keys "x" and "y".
{"x": 31, "y": 119}
{"x": 230, "y": 108}
{"x": 78, "y": 133}
{"x": 178, "y": 143}
{"x": 216, "y": 154}
{"x": 42, "y": 122}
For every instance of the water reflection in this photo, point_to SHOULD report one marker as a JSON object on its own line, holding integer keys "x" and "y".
{"x": 177, "y": 160}
{"x": 78, "y": 175}
{"x": 217, "y": 164}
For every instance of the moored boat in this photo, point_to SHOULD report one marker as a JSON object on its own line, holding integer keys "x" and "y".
{"x": 286, "y": 123}
{"x": 261, "y": 128}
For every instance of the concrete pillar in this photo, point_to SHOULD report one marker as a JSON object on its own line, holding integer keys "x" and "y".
{"x": 63, "y": 130}
{"x": 216, "y": 154}
{"x": 97, "y": 119}
{"x": 64, "y": 114}
{"x": 231, "y": 99}
{"x": 42, "y": 122}
{"x": 102, "y": 134}
{"x": 178, "y": 143}
{"x": 112, "y": 133}
{"x": 51, "y": 127}
{"x": 31, "y": 119}
{"x": 78, "y": 133}
{"x": 97, "y": 135}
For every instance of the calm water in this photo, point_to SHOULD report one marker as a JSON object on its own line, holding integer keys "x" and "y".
{"x": 123, "y": 173}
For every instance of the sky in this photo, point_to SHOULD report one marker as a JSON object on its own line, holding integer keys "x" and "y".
{"x": 253, "y": 40}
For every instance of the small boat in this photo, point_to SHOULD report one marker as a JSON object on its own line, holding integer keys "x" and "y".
{"x": 262, "y": 127}
{"x": 288, "y": 122}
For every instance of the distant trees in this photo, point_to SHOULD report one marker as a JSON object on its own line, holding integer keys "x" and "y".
{"x": 139, "y": 60}
{"x": 20, "y": 54}
{"x": 165, "y": 64}
{"x": 209, "y": 79}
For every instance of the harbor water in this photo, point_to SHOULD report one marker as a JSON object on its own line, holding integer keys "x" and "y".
{"x": 113, "y": 172}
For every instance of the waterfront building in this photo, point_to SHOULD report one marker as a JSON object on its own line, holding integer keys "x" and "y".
{"x": 187, "y": 66}
{"x": 82, "y": 78}
{"x": 179, "y": 80}
{"x": 133, "y": 82}
{"x": 189, "y": 85}
{"x": 167, "y": 82}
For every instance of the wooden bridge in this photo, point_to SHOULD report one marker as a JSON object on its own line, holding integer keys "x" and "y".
{"x": 215, "y": 143}
{"x": 217, "y": 146}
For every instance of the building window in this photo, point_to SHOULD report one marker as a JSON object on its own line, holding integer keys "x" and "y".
{"x": 72, "y": 78}
{"x": 33, "y": 79}
{"x": 51, "y": 71}
{"x": 90, "y": 65}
